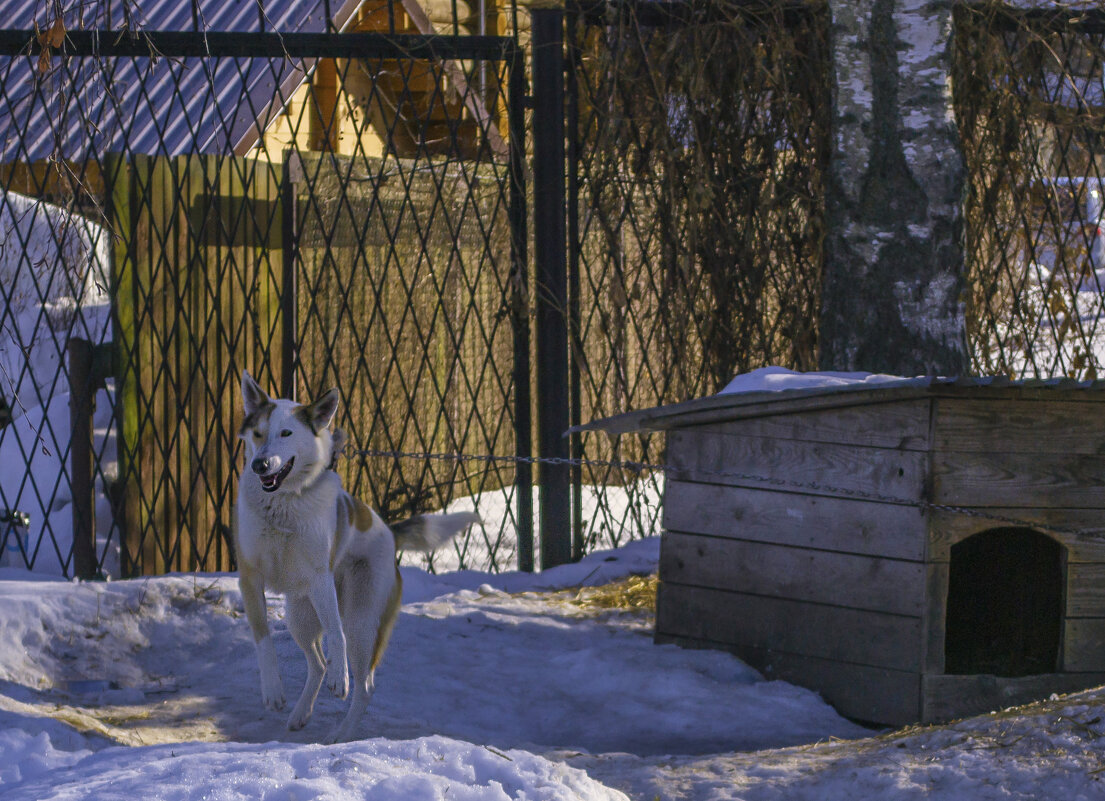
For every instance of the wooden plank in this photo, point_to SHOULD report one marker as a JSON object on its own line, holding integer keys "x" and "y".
{"x": 169, "y": 340}
{"x": 802, "y": 574}
{"x": 1084, "y": 644}
{"x": 950, "y": 697}
{"x": 1018, "y": 479}
{"x": 813, "y": 468}
{"x": 897, "y": 426}
{"x": 1085, "y": 590}
{"x": 934, "y": 622}
{"x": 1008, "y": 426}
{"x": 200, "y": 412}
{"x": 866, "y": 694}
{"x": 797, "y": 627}
{"x": 118, "y": 178}
{"x": 784, "y": 518}
{"x": 148, "y": 299}
{"x": 232, "y": 263}
{"x": 949, "y": 528}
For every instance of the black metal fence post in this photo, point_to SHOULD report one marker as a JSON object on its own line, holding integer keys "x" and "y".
{"x": 289, "y": 297}
{"x": 571, "y": 115}
{"x": 550, "y": 243}
{"x": 523, "y": 419}
{"x": 81, "y": 405}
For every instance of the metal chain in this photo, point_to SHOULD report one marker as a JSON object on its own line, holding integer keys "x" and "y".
{"x": 667, "y": 469}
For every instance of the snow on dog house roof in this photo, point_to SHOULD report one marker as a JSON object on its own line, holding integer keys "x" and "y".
{"x": 168, "y": 107}
{"x": 775, "y": 390}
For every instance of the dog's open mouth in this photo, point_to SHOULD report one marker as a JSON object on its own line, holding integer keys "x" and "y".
{"x": 272, "y": 483}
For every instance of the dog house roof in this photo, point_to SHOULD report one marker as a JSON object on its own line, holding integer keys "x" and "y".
{"x": 811, "y": 394}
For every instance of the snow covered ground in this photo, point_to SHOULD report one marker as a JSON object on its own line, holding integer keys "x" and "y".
{"x": 495, "y": 686}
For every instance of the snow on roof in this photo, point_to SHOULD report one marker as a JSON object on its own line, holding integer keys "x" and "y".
{"x": 778, "y": 384}
{"x": 779, "y": 379}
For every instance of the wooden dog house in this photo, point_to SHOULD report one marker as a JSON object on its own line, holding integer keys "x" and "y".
{"x": 914, "y": 551}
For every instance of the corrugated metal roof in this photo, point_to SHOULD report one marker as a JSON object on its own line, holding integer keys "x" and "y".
{"x": 736, "y": 405}
{"x": 239, "y": 16}
{"x": 87, "y": 107}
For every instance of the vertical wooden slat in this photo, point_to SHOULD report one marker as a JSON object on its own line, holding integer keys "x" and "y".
{"x": 190, "y": 179}
{"x": 118, "y": 177}
{"x": 145, "y": 371}
{"x": 184, "y": 491}
{"x": 229, "y": 304}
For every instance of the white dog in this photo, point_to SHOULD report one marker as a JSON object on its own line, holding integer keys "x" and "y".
{"x": 298, "y": 532}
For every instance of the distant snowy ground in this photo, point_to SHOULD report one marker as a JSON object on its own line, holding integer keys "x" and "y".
{"x": 495, "y": 687}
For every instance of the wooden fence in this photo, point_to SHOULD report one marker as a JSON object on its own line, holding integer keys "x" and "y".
{"x": 197, "y": 279}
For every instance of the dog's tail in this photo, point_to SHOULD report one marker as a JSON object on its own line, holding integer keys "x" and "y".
{"x": 429, "y": 532}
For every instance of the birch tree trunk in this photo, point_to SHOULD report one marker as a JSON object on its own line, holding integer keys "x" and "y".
{"x": 894, "y": 265}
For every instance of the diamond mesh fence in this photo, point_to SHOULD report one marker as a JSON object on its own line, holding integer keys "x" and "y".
{"x": 699, "y": 153}
{"x": 349, "y": 210}
{"x": 1030, "y": 104}
{"x": 321, "y": 209}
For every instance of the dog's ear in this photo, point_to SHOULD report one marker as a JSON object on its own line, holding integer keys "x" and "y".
{"x": 253, "y": 397}
{"x": 321, "y": 412}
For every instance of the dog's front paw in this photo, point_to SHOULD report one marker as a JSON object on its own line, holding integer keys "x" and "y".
{"x": 272, "y": 695}
{"x": 337, "y": 679}
{"x": 298, "y": 720}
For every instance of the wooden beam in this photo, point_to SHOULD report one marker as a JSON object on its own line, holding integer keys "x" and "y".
{"x": 830, "y": 632}
{"x": 800, "y": 574}
{"x": 789, "y": 518}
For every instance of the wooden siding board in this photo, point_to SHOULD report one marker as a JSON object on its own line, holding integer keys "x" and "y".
{"x": 784, "y": 518}
{"x": 812, "y": 468}
{"x": 935, "y": 619}
{"x": 949, "y": 697}
{"x": 949, "y": 528}
{"x": 1085, "y": 590}
{"x": 830, "y": 632}
{"x": 1017, "y": 479}
{"x": 1007, "y": 426}
{"x": 869, "y": 694}
{"x": 1084, "y": 645}
{"x": 893, "y": 426}
{"x": 802, "y": 574}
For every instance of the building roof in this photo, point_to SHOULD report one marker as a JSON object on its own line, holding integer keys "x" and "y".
{"x": 739, "y": 405}
{"x": 86, "y": 107}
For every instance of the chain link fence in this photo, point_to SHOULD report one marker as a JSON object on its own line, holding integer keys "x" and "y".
{"x": 698, "y": 150}
{"x": 1030, "y": 104}
{"x": 183, "y": 203}
{"x": 350, "y": 209}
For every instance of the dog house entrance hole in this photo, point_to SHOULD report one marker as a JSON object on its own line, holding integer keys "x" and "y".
{"x": 1005, "y": 598}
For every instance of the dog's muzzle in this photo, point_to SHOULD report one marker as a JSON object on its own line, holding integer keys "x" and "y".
{"x": 271, "y": 483}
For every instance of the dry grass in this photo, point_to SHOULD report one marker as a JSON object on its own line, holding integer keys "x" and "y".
{"x": 634, "y": 594}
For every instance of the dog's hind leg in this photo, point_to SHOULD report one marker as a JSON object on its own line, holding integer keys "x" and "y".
{"x": 371, "y": 605}
{"x": 324, "y": 598}
{"x": 305, "y": 627}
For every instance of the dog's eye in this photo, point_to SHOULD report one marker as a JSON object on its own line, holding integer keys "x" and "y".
{"x": 287, "y": 432}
